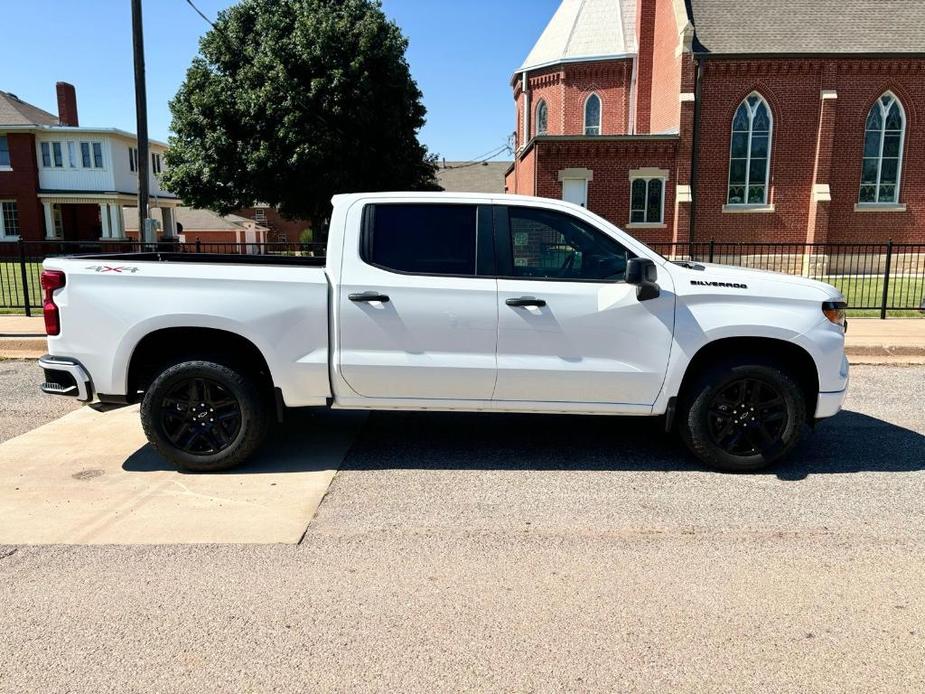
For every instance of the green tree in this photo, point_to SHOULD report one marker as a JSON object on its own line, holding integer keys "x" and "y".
{"x": 292, "y": 101}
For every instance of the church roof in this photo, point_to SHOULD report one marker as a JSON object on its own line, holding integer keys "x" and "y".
{"x": 585, "y": 30}
{"x": 808, "y": 26}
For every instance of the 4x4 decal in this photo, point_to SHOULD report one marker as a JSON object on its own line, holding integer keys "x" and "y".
{"x": 112, "y": 268}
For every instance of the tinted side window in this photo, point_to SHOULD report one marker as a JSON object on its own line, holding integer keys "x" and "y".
{"x": 553, "y": 245}
{"x": 423, "y": 239}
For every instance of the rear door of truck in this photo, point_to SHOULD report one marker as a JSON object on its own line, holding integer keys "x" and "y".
{"x": 416, "y": 319}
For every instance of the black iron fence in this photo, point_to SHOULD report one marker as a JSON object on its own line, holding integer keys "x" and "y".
{"x": 876, "y": 278}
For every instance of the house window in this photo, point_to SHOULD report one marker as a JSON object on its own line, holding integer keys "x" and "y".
{"x": 883, "y": 151}
{"x": 647, "y": 200}
{"x": 72, "y": 154}
{"x": 133, "y": 159}
{"x": 260, "y": 215}
{"x": 9, "y": 220}
{"x": 155, "y": 162}
{"x": 750, "y": 152}
{"x": 91, "y": 155}
{"x": 52, "y": 155}
{"x": 542, "y": 118}
{"x": 4, "y": 151}
{"x": 593, "y": 115}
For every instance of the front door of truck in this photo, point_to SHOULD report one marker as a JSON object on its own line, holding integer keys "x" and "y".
{"x": 416, "y": 321}
{"x": 570, "y": 329}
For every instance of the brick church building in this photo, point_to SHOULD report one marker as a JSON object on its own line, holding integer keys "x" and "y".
{"x": 758, "y": 121}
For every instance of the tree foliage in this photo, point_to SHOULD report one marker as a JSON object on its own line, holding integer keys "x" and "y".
{"x": 292, "y": 101}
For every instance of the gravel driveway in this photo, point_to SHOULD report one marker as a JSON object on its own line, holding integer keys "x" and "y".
{"x": 526, "y": 554}
{"x": 23, "y": 406}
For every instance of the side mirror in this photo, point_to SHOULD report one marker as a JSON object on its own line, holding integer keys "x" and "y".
{"x": 644, "y": 274}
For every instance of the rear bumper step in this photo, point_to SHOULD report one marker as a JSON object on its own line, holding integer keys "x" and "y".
{"x": 65, "y": 376}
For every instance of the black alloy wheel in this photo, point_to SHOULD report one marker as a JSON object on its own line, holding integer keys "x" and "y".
{"x": 200, "y": 416}
{"x": 748, "y": 416}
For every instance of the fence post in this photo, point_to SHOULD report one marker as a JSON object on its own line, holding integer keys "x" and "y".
{"x": 886, "y": 279}
{"x": 712, "y": 249}
{"x": 24, "y": 276}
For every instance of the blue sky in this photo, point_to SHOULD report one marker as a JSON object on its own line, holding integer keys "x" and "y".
{"x": 462, "y": 55}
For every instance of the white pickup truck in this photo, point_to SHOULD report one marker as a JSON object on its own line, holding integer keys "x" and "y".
{"x": 444, "y": 301}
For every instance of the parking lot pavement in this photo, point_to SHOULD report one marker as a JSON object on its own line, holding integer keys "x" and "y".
{"x": 522, "y": 553}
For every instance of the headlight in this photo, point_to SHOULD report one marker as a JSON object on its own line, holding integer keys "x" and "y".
{"x": 835, "y": 311}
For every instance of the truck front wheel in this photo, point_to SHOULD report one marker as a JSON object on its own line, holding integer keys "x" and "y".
{"x": 741, "y": 417}
{"x": 203, "y": 416}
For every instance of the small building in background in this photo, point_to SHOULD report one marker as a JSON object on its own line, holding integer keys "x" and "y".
{"x": 469, "y": 177}
{"x": 279, "y": 228}
{"x": 214, "y": 232}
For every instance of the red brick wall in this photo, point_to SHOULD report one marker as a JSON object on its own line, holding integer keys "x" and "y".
{"x": 859, "y": 84}
{"x": 792, "y": 88}
{"x": 665, "y": 111}
{"x": 609, "y": 191}
{"x": 21, "y": 184}
{"x": 645, "y": 38}
{"x": 525, "y": 173}
{"x": 565, "y": 90}
{"x": 610, "y": 80}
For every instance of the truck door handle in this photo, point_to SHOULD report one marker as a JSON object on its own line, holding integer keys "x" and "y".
{"x": 526, "y": 301}
{"x": 369, "y": 296}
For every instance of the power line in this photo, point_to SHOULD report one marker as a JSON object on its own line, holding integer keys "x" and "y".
{"x": 200, "y": 13}
{"x": 481, "y": 159}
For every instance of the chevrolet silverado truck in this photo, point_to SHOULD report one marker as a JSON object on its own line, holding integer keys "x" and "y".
{"x": 444, "y": 301}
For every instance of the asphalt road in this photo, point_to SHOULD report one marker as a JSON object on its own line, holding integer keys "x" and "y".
{"x": 525, "y": 554}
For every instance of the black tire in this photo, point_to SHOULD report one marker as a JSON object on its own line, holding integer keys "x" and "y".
{"x": 203, "y": 416}
{"x": 742, "y": 417}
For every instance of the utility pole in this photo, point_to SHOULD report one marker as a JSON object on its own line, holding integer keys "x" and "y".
{"x": 141, "y": 110}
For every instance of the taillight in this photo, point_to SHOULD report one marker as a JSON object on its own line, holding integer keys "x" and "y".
{"x": 51, "y": 280}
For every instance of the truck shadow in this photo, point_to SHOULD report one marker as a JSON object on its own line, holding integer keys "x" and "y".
{"x": 849, "y": 442}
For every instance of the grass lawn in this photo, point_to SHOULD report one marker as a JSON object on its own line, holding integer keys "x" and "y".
{"x": 11, "y": 287}
{"x": 868, "y": 291}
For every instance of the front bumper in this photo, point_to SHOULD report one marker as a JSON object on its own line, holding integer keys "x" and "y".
{"x": 829, "y": 404}
{"x": 66, "y": 376}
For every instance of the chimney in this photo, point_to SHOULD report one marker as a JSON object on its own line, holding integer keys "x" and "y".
{"x": 67, "y": 104}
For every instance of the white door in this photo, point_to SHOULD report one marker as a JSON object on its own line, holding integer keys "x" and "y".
{"x": 570, "y": 330}
{"x": 575, "y": 190}
{"x": 416, "y": 322}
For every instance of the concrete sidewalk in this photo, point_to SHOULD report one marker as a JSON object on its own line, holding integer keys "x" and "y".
{"x": 870, "y": 340}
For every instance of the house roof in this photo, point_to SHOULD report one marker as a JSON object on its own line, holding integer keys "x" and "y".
{"x": 464, "y": 177}
{"x": 586, "y": 30}
{"x": 808, "y": 26}
{"x": 15, "y": 111}
{"x": 193, "y": 219}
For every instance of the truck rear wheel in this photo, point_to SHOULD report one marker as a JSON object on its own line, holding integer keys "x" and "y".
{"x": 203, "y": 416}
{"x": 741, "y": 417}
